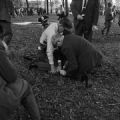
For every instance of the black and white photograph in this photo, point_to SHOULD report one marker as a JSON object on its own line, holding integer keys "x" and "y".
{"x": 59, "y": 59}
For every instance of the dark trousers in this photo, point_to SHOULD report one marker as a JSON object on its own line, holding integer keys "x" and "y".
{"x": 82, "y": 30}
{"x": 5, "y": 31}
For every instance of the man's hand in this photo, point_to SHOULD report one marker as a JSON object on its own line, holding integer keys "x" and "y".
{"x": 79, "y": 17}
{"x": 63, "y": 72}
{"x": 53, "y": 69}
{"x": 94, "y": 28}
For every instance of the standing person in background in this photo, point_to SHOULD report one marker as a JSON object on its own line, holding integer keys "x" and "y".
{"x": 108, "y": 19}
{"x": 86, "y": 14}
{"x": 61, "y": 12}
{"x": 6, "y": 10}
{"x": 114, "y": 12}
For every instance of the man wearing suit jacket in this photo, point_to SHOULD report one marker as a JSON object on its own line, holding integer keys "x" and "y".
{"x": 86, "y": 14}
{"x": 6, "y": 10}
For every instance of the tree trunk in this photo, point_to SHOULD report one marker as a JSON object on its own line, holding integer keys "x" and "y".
{"x": 63, "y": 2}
{"x": 105, "y": 1}
{"x": 47, "y": 7}
{"x": 66, "y": 7}
{"x": 50, "y": 6}
{"x": 27, "y": 6}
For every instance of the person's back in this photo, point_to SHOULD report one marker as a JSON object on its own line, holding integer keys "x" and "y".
{"x": 87, "y": 55}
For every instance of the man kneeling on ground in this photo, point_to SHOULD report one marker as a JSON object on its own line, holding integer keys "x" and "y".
{"x": 82, "y": 56}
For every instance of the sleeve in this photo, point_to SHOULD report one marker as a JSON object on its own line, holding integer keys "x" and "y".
{"x": 96, "y": 12}
{"x": 43, "y": 38}
{"x": 51, "y": 31}
{"x": 72, "y": 62}
{"x": 50, "y": 50}
{"x": 7, "y": 70}
{"x": 74, "y": 9}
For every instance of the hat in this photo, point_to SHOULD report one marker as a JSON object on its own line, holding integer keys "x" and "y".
{"x": 66, "y": 22}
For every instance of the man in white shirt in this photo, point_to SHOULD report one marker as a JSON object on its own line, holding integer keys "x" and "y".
{"x": 46, "y": 40}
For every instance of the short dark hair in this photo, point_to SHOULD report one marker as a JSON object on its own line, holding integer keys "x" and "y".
{"x": 66, "y": 22}
{"x": 109, "y": 4}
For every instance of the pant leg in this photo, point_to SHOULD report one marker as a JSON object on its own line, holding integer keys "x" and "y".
{"x": 7, "y": 31}
{"x": 29, "y": 102}
{"x": 88, "y": 34}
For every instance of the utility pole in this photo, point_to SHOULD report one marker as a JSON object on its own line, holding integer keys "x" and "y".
{"x": 63, "y": 2}
{"x": 47, "y": 7}
{"x": 66, "y": 7}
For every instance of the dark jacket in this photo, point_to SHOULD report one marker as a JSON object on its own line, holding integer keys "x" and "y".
{"x": 6, "y": 9}
{"x": 91, "y": 14}
{"x": 82, "y": 56}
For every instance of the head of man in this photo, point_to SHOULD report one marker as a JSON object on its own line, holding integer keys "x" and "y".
{"x": 60, "y": 28}
{"x": 58, "y": 40}
{"x": 109, "y": 4}
{"x": 67, "y": 24}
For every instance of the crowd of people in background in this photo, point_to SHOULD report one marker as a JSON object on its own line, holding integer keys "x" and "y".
{"x": 23, "y": 11}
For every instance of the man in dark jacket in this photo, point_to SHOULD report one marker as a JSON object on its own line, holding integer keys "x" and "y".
{"x": 6, "y": 10}
{"x": 14, "y": 91}
{"x": 86, "y": 14}
{"x": 81, "y": 55}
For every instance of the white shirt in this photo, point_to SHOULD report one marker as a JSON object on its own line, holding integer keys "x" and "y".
{"x": 84, "y": 3}
{"x": 46, "y": 36}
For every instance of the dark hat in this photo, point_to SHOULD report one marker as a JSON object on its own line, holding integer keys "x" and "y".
{"x": 66, "y": 22}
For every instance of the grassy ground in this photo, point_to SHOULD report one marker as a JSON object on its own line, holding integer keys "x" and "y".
{"x": 61, "y": 99}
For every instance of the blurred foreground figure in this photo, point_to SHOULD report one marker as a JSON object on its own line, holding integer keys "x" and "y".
{"x": 6, "y": 10}
{"x": 14, "y": 91}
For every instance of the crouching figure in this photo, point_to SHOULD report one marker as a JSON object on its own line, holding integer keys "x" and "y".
{"x": 81, "y": 55}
